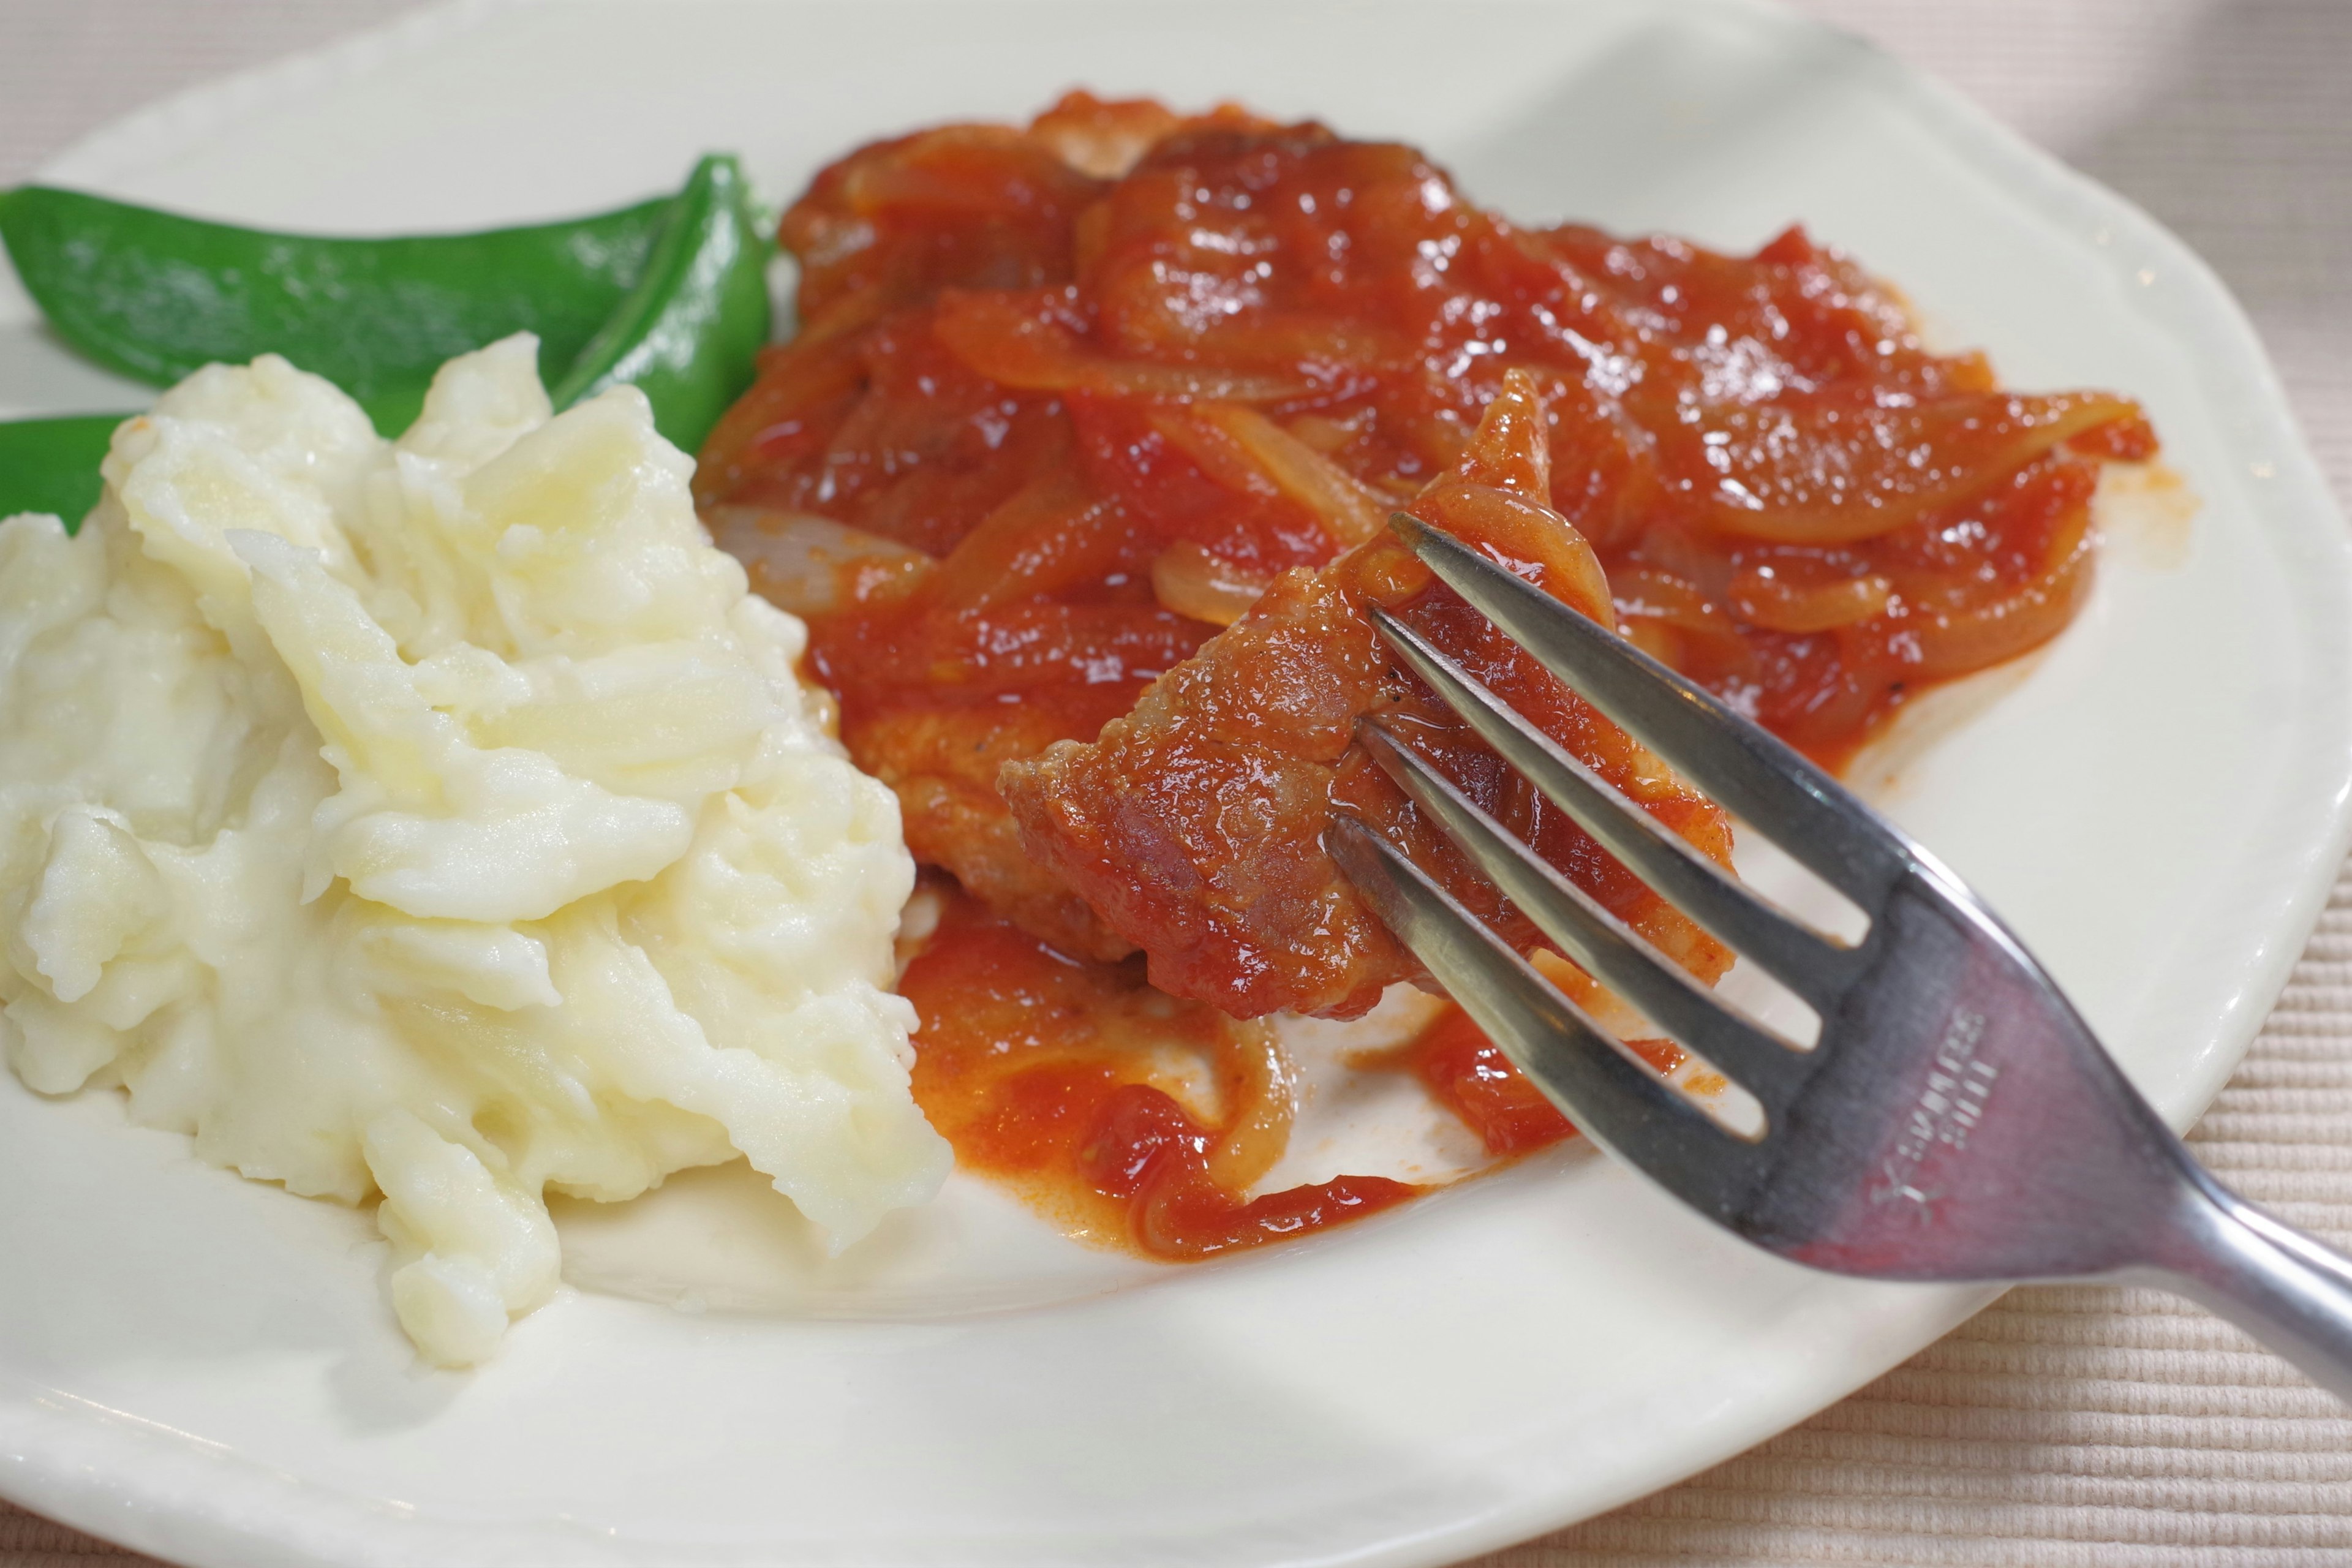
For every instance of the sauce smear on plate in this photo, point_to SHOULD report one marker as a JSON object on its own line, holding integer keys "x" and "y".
{"x": 1056, "y": 1077}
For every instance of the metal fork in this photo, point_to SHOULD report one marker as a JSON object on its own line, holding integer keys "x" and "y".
{"x": 1955, "y": 1120}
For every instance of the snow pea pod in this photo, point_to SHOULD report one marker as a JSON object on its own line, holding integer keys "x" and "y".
{"x": 155, "y": 295}
{"x": 51, "y": 465}
{"x": 686, "y": 329}
{"x": 690, "y": 333}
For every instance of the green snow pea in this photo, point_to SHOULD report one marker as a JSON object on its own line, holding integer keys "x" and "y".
{"x": 154, "y": 295}
{"x": 51, "y": 465}
{"x": 678, "y": 288}
{"x": 690, "y": 333}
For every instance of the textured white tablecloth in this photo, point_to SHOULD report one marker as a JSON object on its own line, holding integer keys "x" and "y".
{"x": 2067, "y": 1426}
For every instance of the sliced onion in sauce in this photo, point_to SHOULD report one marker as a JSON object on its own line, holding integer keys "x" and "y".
{"x": 1053, "y": 533}
{"x": 1764, "y": 597}
{"x": 1651, "y": 593}
{"x": 1191, "y": 581}
{"x": 1520, "y": 533}
{"x": 1265, "y": 1103}
{"x": 996, "y": 336}
{"x": 1835, "y": 475}
{"x": 811, "y": 565}
{"x": 1955, "y": 643}
{"x": 1350, "y": 510}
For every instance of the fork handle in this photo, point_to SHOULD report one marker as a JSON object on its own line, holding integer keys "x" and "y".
{"x": 2286, "y": 1289}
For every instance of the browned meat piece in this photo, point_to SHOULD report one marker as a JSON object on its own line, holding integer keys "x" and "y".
{"x": 1193, "y": 825}
{"x": 943, "y": 766}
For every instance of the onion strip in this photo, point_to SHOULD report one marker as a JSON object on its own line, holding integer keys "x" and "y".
{"x": 1762, "y": 598}
{"x": 1954, "y": 645}
{"x": 1838, "y": 475}
{"x": 1265, "y": 1103}
{"x": 813, "y": 565}
{"x": 1189, "y": 580}
{"x": 997, "y": 337}
{"x": 1350, "y": 510}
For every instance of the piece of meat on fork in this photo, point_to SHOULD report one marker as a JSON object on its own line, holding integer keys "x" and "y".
{"x": 1193, "y": 825}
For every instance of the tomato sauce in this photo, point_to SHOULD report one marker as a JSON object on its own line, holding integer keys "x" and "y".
{"x": 1468, "y": 1074}
{"x": 1195, "y": 825}
{"x": 1132, "y": 1118}
{"x": 1066, "y": 400}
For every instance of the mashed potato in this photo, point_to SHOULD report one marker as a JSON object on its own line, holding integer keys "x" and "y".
{"x": 441, "y": 819}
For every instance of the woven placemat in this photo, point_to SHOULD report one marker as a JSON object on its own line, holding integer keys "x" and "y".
{"x": 2066, "y": 1428}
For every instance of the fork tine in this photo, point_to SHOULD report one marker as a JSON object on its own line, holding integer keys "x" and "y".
{"x": 1752, "y": 773}
{"x": 1619, "y": 1103}
{"x": 1809, "y": 964}
{"x": 1770, "y": 1068}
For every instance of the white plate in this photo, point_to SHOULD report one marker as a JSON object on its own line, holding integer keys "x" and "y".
{"x": 205, "y": 1370}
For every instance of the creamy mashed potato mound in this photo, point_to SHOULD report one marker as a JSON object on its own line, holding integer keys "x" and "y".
{"x": 441, "y": 819}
